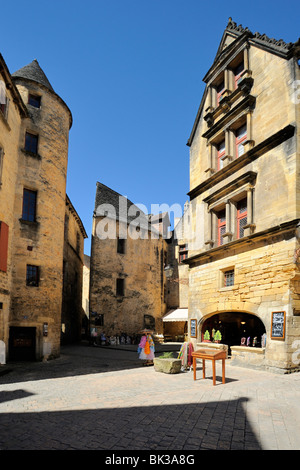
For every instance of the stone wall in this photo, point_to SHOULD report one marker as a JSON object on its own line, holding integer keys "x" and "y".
{"x": 9, "y": 138}
{"x": 266, "y": 274}
{"x": 72, "y": 311}
{"x": 141, "y": 269}
{"x": 41, "y": 242}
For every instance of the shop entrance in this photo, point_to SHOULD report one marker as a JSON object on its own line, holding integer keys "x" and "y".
{"x": 22, "y": 343}
{"x": 236, "y": 329}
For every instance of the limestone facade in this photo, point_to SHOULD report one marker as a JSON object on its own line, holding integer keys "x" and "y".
{"x": 127, "y": 281}
{"x": 73, "y": 315}
{"x": 244, "y": 198}
{"x": 34, "y": 134}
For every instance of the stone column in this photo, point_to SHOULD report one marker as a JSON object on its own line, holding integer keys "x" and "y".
{"x": 227, "y": 237}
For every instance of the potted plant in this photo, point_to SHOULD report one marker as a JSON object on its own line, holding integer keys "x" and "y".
{"x": 217, "y": 337}
{"x": 206, "y": 337}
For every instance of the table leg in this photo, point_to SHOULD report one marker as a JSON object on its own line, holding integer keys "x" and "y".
{"x": 203, "y": 367}
{"x": 223, "y": 371}
{"x": 194, "y": 367}
{"x": 214, "y": 371}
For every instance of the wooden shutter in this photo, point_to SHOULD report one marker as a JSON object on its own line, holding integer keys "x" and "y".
{"x": 3, "y": 246}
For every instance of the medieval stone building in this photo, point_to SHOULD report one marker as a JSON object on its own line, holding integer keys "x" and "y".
{"x": 73, "y": 317}
{"x": 128, "y": 255}
{"x": 34, "y": 133}
{"x": 244, "y": 276}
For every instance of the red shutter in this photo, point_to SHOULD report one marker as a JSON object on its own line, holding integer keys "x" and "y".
{"x": 3, "y": 246}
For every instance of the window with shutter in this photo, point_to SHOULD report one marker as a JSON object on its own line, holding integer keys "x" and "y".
{"x": 3, "y": 99}
{"x": 1, "y": 163}
{"x": 3, "y": 246}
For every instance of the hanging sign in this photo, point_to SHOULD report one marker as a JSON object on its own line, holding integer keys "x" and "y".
{"x": 278, "y": 325}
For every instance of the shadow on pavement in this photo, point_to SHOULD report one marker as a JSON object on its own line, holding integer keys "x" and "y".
{"x": 79, "y": 359}
{"x": 218, "y": 425}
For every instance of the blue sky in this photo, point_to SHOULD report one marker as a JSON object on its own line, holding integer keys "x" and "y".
{"x": 131, "y": 72}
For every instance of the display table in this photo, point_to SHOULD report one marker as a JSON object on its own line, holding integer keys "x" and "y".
{"x": 212, "y": 355}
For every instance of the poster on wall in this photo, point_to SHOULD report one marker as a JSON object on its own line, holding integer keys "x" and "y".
{"x": 278, "y": 325}
{"x": 193, "y": 328}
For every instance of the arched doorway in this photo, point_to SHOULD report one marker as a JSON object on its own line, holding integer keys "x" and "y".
{"x": 236, "y": 328}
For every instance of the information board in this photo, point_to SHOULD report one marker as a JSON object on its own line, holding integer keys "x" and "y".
{"x": 193, "y": 328}
{"x": 278, "y": 325}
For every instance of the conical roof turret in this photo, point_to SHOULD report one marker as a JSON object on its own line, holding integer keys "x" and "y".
{"x": 33, "y": 72}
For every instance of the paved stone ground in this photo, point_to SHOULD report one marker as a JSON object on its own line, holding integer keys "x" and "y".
{"x": 102, "y": 399}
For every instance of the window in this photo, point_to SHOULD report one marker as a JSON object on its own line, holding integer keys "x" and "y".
{"x": 29, "y": 205}
{"x": 34, "y": 100}
{"x": 120, "y": 287}
{"x": 183, "y": 253}
{"x": 99, "y": 320}
{"x": 3, "y": 246}
{"x": 1, "y": 163}
{"x": 221, "y": 154}
{"x": 78, "y": 244}
{"x": 31, "y": 142}
{"x": 240, "y": 138}
{"x": 238, "y": 73}
{"x": 3, "y": 99}
{"x": 229, "y": 278}
{"x": 220, "y": 90}
{"x": 221, "y": 226}
{"x": 32, "y": 276}
{"x": 241, "y": 217}
{"x": 121, "y": 245}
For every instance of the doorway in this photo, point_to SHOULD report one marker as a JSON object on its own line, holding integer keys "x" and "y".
{"x": 22, "y": 342}
{"x": 236, "y": 328}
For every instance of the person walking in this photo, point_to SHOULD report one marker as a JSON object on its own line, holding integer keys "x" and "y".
{"x": 146, "y": 348}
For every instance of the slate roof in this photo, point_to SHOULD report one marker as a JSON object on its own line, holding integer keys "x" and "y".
{"x": 124, "y": 209}
{"x": 33, "y": 72}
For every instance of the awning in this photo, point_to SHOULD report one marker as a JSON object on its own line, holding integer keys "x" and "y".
{"x": 180, "y": 314}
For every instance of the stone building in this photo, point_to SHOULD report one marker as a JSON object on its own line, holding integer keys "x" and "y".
{"x": 34, "y": 133}
{"x": 177, "y": 280}
{"x": 86, "y": 294}
{"x": 245, "y": 202}
{"x": 73, "y": 315}
{"x": 128, "y": 255}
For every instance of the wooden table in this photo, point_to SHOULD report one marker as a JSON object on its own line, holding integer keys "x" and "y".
{"x": 212, "y": 355}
